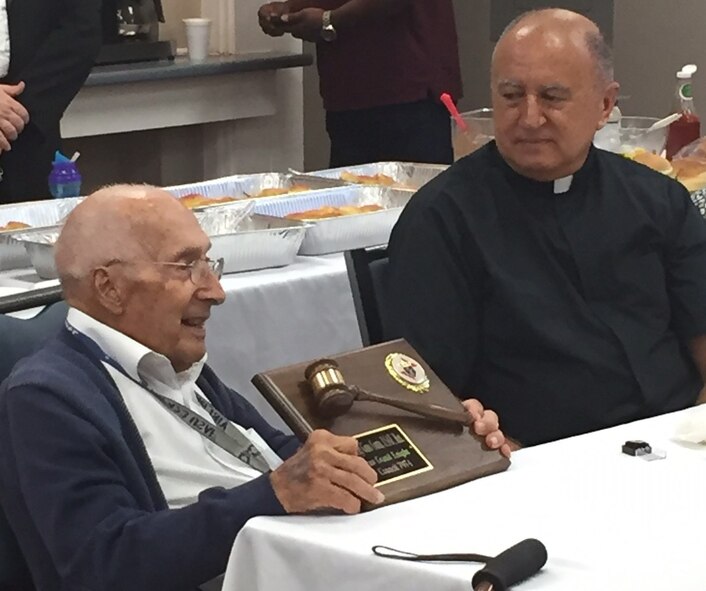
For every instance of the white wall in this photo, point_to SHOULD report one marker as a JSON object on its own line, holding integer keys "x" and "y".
{"x": 653, "y": 39}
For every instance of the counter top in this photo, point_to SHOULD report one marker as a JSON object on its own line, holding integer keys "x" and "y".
{"x": 181, "y": 67}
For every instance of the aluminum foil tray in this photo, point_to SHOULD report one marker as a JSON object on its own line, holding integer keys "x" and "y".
{"x": 230, "y": 213}
{"x": 255, "y": 242}
{"x": 346, "y": 232}
{"x": 39, "y": 215}
{"x": 249, "y": 186}
{"x": 406, "y": 175}
{"x": 39, "y": 247}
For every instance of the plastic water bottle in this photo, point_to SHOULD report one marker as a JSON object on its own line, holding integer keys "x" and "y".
{"x": 64, "y": 178}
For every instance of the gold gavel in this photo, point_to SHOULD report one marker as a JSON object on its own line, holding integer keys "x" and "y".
{"x": 333, "y": 397}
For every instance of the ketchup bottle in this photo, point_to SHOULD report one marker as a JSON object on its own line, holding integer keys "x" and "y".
{"x": 688, "y": 128}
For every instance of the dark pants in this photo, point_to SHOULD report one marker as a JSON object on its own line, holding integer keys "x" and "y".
{"x": 26, "y": 167}
{"x": 408, "y": 132}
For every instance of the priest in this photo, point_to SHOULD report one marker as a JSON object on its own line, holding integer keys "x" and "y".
{"x": 561, "y": 285}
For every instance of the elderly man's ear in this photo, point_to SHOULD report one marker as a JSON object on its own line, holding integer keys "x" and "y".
{"x": 107, "y": 292}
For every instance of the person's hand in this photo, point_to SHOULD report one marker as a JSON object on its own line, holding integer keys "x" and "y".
{"x": 13, "y": 116}
{"x": 305, "y": 24}
{"x": 326, "y": 473}
{"x": 485, "y": 424}
{"x": 270, "y": 18}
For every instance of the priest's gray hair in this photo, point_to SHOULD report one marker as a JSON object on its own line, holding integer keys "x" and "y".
{"x": 602, "y": 55}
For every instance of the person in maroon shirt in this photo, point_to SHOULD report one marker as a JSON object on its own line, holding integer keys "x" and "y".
{"x": 382, "y": 66}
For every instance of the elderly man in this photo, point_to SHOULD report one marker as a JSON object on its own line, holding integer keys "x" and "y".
{"x": 562, "y": 285}
{"x": 126, "y": 463}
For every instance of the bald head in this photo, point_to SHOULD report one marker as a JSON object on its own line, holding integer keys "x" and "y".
{"x": 121, "y": 222}
{"x": 555, "y": 27}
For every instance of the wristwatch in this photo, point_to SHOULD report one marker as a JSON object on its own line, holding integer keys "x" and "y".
{"x": 328, "y": 32}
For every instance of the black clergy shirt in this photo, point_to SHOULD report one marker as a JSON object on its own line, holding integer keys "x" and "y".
{"x": 564, "y": 312}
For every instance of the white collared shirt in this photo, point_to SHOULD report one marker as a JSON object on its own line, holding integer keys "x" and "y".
{"x": 185, "y": 462}
{"x": 4, "y": 40}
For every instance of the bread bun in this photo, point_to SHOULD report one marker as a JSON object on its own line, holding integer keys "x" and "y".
{"x": 690, "y": 172}
{"x": 329, "y": 211}
{"x": 194, "y": 200}
{"x": 364, "y": 179}
{"x": 654, "y": 161}
{"x": 12, "y": 225}
{"x": 276, "y": 191}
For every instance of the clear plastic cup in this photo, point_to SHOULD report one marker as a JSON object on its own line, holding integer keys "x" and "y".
{"x": 634, "y": 134}
{"x": 198, "y": 32}
{"x": 480, "y": 131}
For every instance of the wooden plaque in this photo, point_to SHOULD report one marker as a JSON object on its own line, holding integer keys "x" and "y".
{"x": 413, "y": 455}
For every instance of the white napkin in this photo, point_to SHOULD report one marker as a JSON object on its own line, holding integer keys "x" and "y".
{"x": 693, "y": 428}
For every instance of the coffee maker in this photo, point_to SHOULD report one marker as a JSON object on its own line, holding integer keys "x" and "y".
{"x": 131, "y": 32}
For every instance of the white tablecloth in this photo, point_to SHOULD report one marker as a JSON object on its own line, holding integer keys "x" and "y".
{"x": 609, "y": 521}
{"x": 270, "y": 318}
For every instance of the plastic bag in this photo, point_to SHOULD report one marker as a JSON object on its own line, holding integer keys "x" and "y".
{"x": 695, "y": 150}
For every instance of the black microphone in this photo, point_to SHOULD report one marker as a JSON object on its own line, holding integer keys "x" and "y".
{"x": 511, "y": 566}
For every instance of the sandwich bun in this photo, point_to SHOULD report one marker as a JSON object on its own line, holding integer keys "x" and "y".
{"x": 653, "y": 161}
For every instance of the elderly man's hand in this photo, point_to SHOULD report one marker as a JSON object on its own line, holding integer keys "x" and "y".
{"x": 326, "y": 473}
{"x": 270, "y": 18}
{"x": 485, "y": 424}
{"x": 13, "y": 116}
{"x": 305, "y": 24}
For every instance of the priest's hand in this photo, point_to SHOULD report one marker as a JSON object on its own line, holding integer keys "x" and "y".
{"x": 326, "y": 473}
{"x": 485, "y": 424}
{"x": 13, "y": 115}
{"x": 270, "y": 18}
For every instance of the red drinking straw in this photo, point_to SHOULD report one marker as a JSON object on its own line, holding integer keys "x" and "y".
{"x": 449, "y": 104}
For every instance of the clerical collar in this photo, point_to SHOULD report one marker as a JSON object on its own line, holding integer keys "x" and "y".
{"x": 563, "y": 184}
{"x": 557, "y": 187}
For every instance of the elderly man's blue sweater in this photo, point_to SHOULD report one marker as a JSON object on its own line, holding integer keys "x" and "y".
{"x": 82, "y": 496}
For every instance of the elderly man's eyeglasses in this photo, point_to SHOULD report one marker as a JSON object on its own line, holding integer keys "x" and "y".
{"x": 199, "y": 270}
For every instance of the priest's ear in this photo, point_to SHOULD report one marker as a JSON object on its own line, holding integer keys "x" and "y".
{"x": 610, "y": 97}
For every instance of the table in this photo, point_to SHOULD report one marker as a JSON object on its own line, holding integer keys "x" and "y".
{"x": 609, "y": 521}
{"x": 271, "y": 318}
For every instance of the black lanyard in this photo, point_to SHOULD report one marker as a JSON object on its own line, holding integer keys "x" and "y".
{"x": 223, "y": 433}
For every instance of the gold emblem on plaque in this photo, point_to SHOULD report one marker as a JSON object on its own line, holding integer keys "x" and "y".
{"x": 407, "y": 372}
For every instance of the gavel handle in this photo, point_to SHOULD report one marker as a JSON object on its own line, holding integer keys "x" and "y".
{"x": 431, "y": 411}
